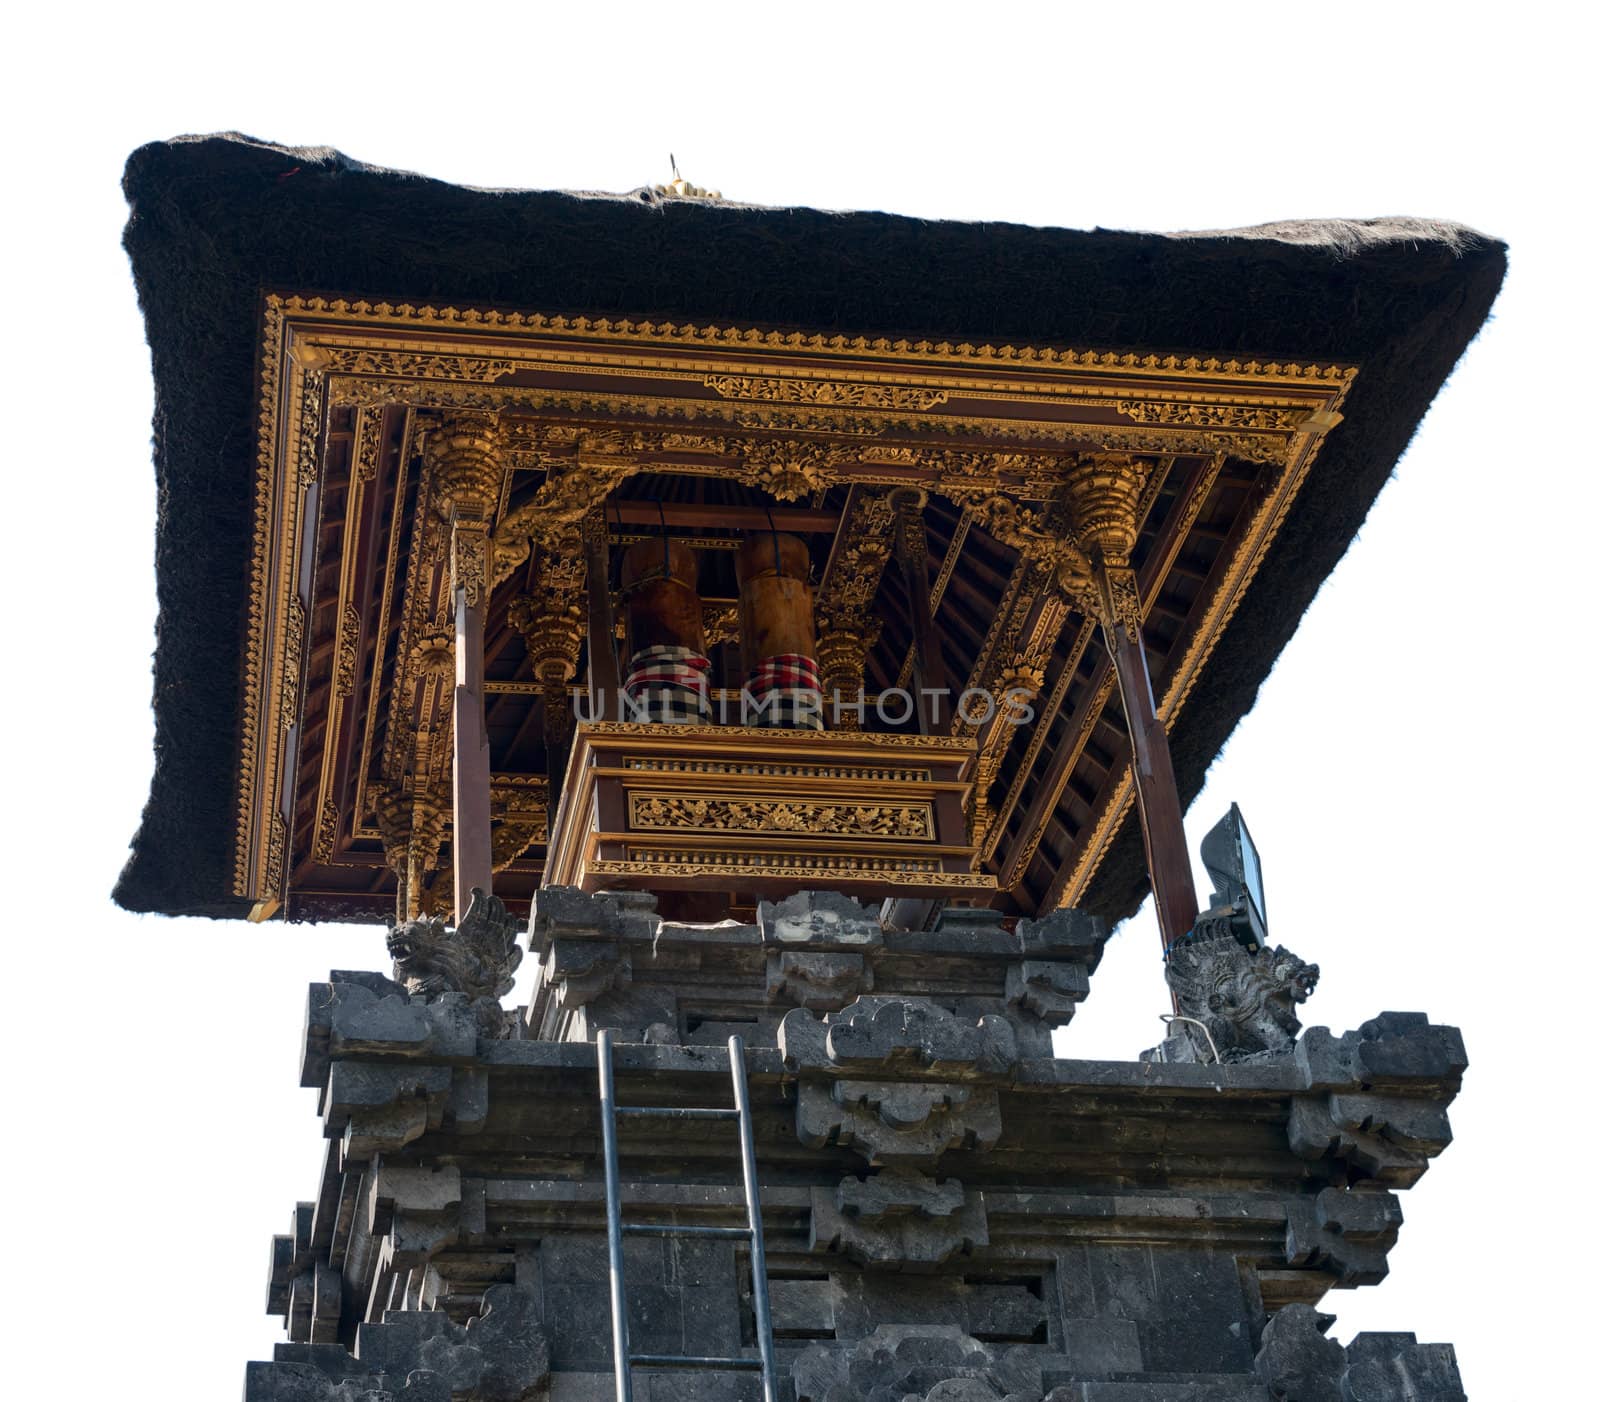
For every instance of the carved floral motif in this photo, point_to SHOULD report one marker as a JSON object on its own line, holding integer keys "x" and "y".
{"x": 794, "y": 470}
{"x": 360, "y": 360}
{"x": 774, "y": 390}
{"x": 781, "y": 815}
{"x": 327, "y": 828}
{"x": 1249, "y": 416}
{"x": 345, "y": 655}
{"x": 294, "y": 642}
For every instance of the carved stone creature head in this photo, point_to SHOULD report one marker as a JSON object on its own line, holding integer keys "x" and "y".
{"x": 1247, "y": 1002}
{"x": 479, "y": 958}
{"x": 1289, "y": 982}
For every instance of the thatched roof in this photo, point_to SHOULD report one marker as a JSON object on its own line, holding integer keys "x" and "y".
{"x": 218, "y": 221}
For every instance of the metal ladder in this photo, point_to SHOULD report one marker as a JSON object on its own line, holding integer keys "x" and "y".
{"x": 616, "y": 1229}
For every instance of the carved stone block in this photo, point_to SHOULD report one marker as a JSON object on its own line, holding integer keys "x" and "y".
{"x": 314, "y": 1305}
{"x": 417, "y": 1210}
{"x": 565, "y": 910}
{"x": 320, "y": 1001}
{"x": 446, "y": 1026}
{"x": 384, "y": 1106}
{"x": 899, "y": 1218}
{"x": 817, "y": 980}
{"x": 1073, "y": 935}
{"x": 1405, "y": 1048}
{"x": 898, "y": 1122}
{"x": 893, "y": 1034}
{"x": 582, "y": 969}
{"x": 419, "y": 1356}
{"x": 1391, "y": 1051}
{"x": 1396, "y": 1368}
{"x": 1347, "y": 1232}
{"x": 1297, "y": 1362}
{"x": 923, "y": 1363}
{"x": 973, "y": 930}
{"x": 818, "y": 920}
{"x": 467, "y": 1105}
{"x": 898, "y": 1113}
{"x": 1049, "y": 989}
{"x": 802, "y": 1307}
{"x": 586, "y": 944}
{"x": 1387, "y": 1138}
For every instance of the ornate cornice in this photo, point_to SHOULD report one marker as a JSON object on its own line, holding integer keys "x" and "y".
{"x": 612, "y": 329}
{"x": 587, "y": 402}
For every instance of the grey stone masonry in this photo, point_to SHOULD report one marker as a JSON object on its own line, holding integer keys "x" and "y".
{"x": 610, "y": 961}
{"x": 951, "y": 1214}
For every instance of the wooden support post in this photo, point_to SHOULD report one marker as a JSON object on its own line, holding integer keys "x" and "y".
{"x": 935, "y": 704}
{"x": 847, "y": 627}
{"x": 1155, "y": 784}
{"x": 605, "y": 684}
{"x": 465, "y": 470}
{"x": 471, "y": 849}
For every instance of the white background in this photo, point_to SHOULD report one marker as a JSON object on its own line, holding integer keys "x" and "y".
{"x": 1418, "y": 772}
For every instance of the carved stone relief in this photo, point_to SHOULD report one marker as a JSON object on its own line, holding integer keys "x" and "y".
{"x": 899, "y": 1219}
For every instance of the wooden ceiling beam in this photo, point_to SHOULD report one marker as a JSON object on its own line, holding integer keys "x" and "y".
{"x": 689, "y": 516}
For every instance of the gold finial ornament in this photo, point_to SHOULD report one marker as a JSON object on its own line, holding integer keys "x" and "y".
{"x": 552, "y": 629}
{"x": 843, "y": 642}
{"x": 1102, "y": 493}
{"x": 466, "y": 465}
{"x": 412, "y": 826}
{"x": 680, "y": 189}
{"x": 466, "y": 461}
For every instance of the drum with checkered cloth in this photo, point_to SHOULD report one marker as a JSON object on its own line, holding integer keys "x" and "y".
{"x": 668, "y": 686}
{"x": 784, "y": 692}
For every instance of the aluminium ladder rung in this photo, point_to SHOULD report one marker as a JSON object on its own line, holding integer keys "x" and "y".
{"x": 624, "y": 1360}
{"x": 678, "y": 1360}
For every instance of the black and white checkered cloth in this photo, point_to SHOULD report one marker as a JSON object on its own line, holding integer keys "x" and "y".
{"x": 784, "y": 692}
{"x": 668, "y": 686}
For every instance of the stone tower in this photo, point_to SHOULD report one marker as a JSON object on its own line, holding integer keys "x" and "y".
{"x": 950, "y": 1212}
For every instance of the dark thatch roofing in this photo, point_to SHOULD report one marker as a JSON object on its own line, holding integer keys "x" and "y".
{"x": 218, "y": 220}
